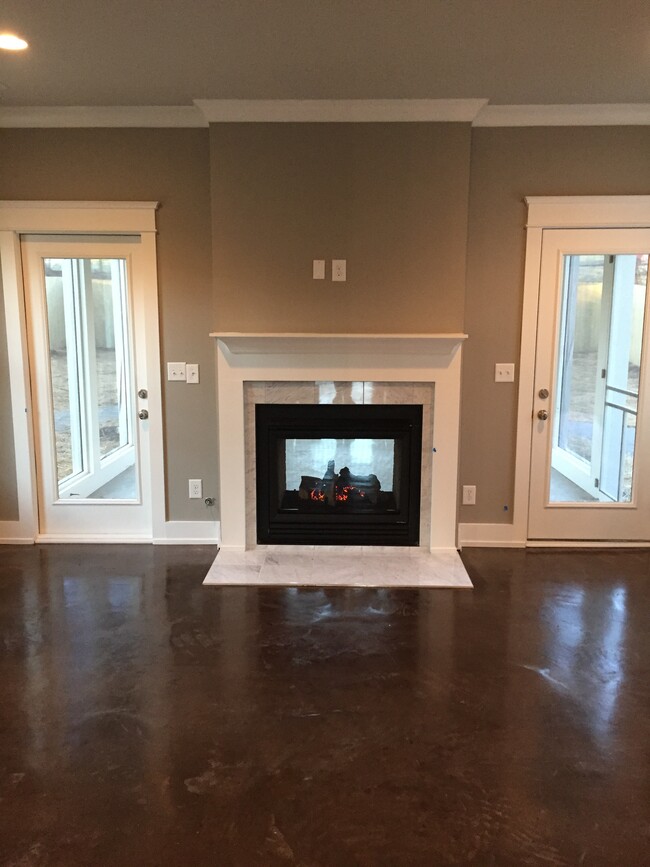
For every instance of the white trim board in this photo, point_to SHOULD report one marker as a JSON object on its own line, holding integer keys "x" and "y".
{"x": 189, "y": 533}
{"x": 503, "y": 536}
{"x": 79, "y": 218}
{"x": 489, "y": 536}
{"x": 596, "y": 114}
{"x": 239, "y": 343}
{"x": 340, "y": 110}
{"x": 588, "y": 212}
{"x": 442, "y": 369}
{"x": 83, "y": 218}
{"x": 547, "y": 212}
{"x": 12, "y": 533}
{"x": 205, "y": 111}
{"x": 101, "y": 116}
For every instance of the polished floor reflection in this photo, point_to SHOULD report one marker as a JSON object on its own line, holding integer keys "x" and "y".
{"x": 147, "y": 720}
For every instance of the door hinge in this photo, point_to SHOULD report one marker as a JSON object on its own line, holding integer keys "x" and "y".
{"x": 596, "y": 482}
{"x": 603, "y": 373}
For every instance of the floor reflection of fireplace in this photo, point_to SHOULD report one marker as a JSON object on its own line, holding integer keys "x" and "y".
{"x": 344, "y": 474}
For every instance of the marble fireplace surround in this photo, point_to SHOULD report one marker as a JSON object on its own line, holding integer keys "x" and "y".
{"x": 341, "y": 368}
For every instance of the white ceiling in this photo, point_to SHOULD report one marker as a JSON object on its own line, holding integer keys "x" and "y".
{"x": 169, "y": 52}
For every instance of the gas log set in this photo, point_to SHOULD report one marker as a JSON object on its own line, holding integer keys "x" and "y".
{"x": 341, "y": 490}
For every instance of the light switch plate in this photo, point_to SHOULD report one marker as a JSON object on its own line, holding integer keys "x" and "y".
{"x": 176, "y": 371}
{"x": 192, "y": 373}
{"x": 319, "y": 269}
{"x": 504, "y": 373}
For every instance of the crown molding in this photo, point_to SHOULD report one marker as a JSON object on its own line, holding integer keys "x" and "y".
{"x": 116, "y": 116}
{"x": 603, "y": 114}
{"x": 206, "y": 111}
{"x": 339, "y": 110}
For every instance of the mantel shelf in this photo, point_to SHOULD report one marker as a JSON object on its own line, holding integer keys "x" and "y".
{"x": 239, "y": 343}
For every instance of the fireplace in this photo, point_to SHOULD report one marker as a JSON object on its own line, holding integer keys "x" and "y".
{"x": 342, "y": 474}
{"x": 335, "y": 369}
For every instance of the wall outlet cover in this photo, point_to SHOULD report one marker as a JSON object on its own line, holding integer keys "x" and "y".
{"x": 339, "y": 270}
{"x": 469, "y": 495}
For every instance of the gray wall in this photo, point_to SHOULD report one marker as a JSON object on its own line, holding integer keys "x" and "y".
{"x": 508, "y": 164}
{"x": 391, "y": 199}
{"x": 170, "y": 166}
{"x": 260, "y": 201}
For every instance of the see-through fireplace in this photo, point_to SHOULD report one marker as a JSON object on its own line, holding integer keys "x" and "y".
{"x": 338, "y": 474}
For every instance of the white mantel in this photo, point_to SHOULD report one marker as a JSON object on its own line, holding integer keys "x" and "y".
{"x": 295, "y": 357}
{"x": 239, "y": 343}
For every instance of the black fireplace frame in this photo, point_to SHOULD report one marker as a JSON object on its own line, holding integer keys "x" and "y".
{"x": 276, "y": 422}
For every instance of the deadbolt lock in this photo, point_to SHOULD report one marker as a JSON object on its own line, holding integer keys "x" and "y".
{"x": 543, "y": 393}
{"x": 143, "y": 393}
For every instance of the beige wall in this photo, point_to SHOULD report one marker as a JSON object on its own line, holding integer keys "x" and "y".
{"x": 508, "y": 164}
{"x": 8, "y": 492}
{"x": 391, "y": 199}
{"x": 172, "y": 167}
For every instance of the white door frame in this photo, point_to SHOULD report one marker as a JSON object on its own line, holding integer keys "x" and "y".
{"x": 79, "y": 218}
{"x": 548, "y": 212}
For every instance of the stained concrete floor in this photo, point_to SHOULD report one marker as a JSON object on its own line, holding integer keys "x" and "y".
{"x": 147, "y": 720}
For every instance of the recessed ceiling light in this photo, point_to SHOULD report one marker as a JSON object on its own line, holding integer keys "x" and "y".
{"x": 11, "y": 42}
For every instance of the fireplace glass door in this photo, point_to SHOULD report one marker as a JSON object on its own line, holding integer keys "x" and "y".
{"x": 327, "y": 475}
{"x": 338, "y": 474}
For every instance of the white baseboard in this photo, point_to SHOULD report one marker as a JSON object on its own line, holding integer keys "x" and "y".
{"x": 91, "y": 539}
{"x": 175, "y": 533}
{"x": 488, "y": 536}
{"x": 572, "y": 543}
{"x": 189, "y": 533}
{"x": 15, "y": 533}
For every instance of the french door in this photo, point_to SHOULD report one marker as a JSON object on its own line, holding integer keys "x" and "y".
{"x": 86, "y": 332}
{"x": 590, "y": 450}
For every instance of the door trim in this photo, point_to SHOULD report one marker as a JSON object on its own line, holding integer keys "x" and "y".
{"x": 547, "y": 212}
{"x": 78, "y": 218}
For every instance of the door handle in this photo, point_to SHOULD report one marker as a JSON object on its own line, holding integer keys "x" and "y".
{"x": 143, "y": 414}
{"x": 542, "y": 414}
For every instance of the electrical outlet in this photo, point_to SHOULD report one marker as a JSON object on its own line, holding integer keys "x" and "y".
{"x": 196, "y": 489}
{"x": 504, "y": 373}
{"x": 192, "y": 373}
{"x": 176, "y": 371}
{"x": 469, "y": 495}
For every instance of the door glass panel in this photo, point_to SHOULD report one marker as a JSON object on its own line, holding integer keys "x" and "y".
{"x": 62, "y": 318}
{"x": 597, "y": 380}
{"x": 90, "y": 378}
{"x": 111, "y": 353}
